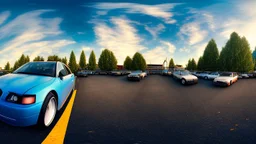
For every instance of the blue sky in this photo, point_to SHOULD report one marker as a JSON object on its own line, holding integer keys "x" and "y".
{"x": 159, "y": 29}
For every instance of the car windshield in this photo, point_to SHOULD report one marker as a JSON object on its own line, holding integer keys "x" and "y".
{"x": 226, "y": 74}
{"x": 185, "y": 72}
{"x": 38, "y": 68}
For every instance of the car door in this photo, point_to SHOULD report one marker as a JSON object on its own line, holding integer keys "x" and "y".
{"x": 63, "y": 86}
{"x": 70, "y": 78}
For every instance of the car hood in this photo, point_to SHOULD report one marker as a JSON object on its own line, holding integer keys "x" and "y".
{"x": 21, "y": 83}
{"x": 222, "y": 78}
{"x": 189, "y": 77}
{"x": 134, "y": 74}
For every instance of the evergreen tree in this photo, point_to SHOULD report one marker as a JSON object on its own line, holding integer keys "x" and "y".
{"x": 211, "y": 56}
{"x": 254, "y": 57}
{"x": 38, "y": 58}
{"x": 72, "y": 62}
{"x": 16, "y": 66}
{"x": 82, "y": 62}
{"x": 107, "y": 60}
{"x": 138, "y": 62}
{"x": 7, "y": 67}
{"x": 236, "y": 55}
{"x": 200, "y": 64}
{"x": 22, "y": 60}
{"x": 189, "y": 65}
{"x": 171, "y": 63}
{"x": 128, "y": 63}
{"x": 245, "y": 60}
{"x": 193, "y": 64}
{"x": 64, "y": 60}
{"x": 27, "y": 59}
{"x": 92, "y": 61}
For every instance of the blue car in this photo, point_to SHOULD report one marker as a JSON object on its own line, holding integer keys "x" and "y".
{"x": 33, "y": 94}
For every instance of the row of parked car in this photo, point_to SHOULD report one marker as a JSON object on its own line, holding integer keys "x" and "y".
{"x": 219, "y": 78}
{"x": 85, "y": 73}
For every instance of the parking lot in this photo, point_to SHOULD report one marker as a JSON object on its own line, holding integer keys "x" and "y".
{"x": 158, "y": 109}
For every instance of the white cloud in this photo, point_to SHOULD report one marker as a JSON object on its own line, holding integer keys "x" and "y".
{"x": 32, "y": 35}
{"x": 194, "y": 33}
{"x": 187, "y": 50}
{"x": 162, "y": 11}
{"x": 122, "y": 38}
{"x": 155, "y": 31}
{"x": 160, "y": 53}
{"x": 101, "y": 13}
{"x": 171, "y": 48}
{"x": 86, "y": 49}
{"x": 4, "y": 16}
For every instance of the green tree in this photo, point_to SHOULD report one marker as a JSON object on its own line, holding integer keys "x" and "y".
{"x": 193, "y": 64}
{"x": 236, "y": 55}
{"x": 107, "y": 60}
{"x": 22, "y": 60}
{"x": 53, "y": 58}
{"x": 138, "y": 62}
{"x": 72, "y": 62}
{"x": 16, "y": 66}
{"x": 38, "y": 58}
{"x": 246, "y": 63}
{"x": 64, "y": 60}
{"x": 82, "y": 62}
{"x": 171, "y": 63}
{"x": 92, "y": 61}
{"x": 189, "y": 66}
{"x": 27, "y": 59}
{"x": 211, "y": 56}
{"x": 128, "y": 63}
{"x": 200, "y": 63}
{"x": 7, "y": 67}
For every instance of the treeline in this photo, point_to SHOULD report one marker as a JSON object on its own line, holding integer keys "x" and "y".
{"x": 235, "y": 56}
{"x": 107, "y": 61}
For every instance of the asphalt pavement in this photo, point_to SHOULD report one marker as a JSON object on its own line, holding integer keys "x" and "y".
{"x": 158, "y": 109}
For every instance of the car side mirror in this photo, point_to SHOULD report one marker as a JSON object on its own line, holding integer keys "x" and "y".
{"x": 62, "y": 74}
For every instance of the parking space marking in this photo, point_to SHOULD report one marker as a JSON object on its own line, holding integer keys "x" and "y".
{"x": 57, "y": 135}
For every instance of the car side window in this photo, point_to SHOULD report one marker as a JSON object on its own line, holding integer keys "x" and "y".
{"x": 68, "y": 70}
{"x": 60, "y": 68}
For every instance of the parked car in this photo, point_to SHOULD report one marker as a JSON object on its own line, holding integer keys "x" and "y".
{"x": 196, "y": 73}
{"x": 117, "y": 73}
{"x": 34, "y": 93}
{"x": 226, "y": 79}
{"x": 137, "y": 75}
{"x": 104, "y": 72}
{"x": 185, "y": 77}
{"x": 244, "y": 75}
{"x": 82, "y": 73}
{"x": 211, "y": 75}
{"x": 203, "y": 74}
{"x": 166, "y": 72}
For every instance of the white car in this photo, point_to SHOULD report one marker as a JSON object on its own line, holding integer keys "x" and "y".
{"x": 185, "y": 77}
{"x": 137, "y": 75}
{"x": 244, "y": 75}
{"x": 226, "y": 79}
{"x": 212, "y": 75}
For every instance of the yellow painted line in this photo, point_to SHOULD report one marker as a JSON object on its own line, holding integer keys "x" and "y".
{"x": 57, "y": 135}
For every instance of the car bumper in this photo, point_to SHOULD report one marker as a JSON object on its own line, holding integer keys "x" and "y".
{"x": 133, "y": 78}
{"x": 192, "y": 82}
{"x": 220, "y": 83}
{"x": 19, "y": 115}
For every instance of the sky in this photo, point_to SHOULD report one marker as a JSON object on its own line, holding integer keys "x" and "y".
{"x": 159, "y": 29}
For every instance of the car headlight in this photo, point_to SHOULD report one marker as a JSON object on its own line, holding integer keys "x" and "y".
{"x": 25, "y": 99}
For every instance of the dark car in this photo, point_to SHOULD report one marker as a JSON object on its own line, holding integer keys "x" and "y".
{"x": 82, "y": 73}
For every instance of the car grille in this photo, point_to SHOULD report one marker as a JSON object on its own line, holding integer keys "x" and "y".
{"x": 220, "y": 82}
{"x": 1, "y": 92}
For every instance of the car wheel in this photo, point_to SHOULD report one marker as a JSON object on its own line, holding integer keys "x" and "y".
{"x": 183, "y": 81}
{"x": 206, "y": 78}
{"x": 231, "y": 82}
{"x": 48, "y": 111}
